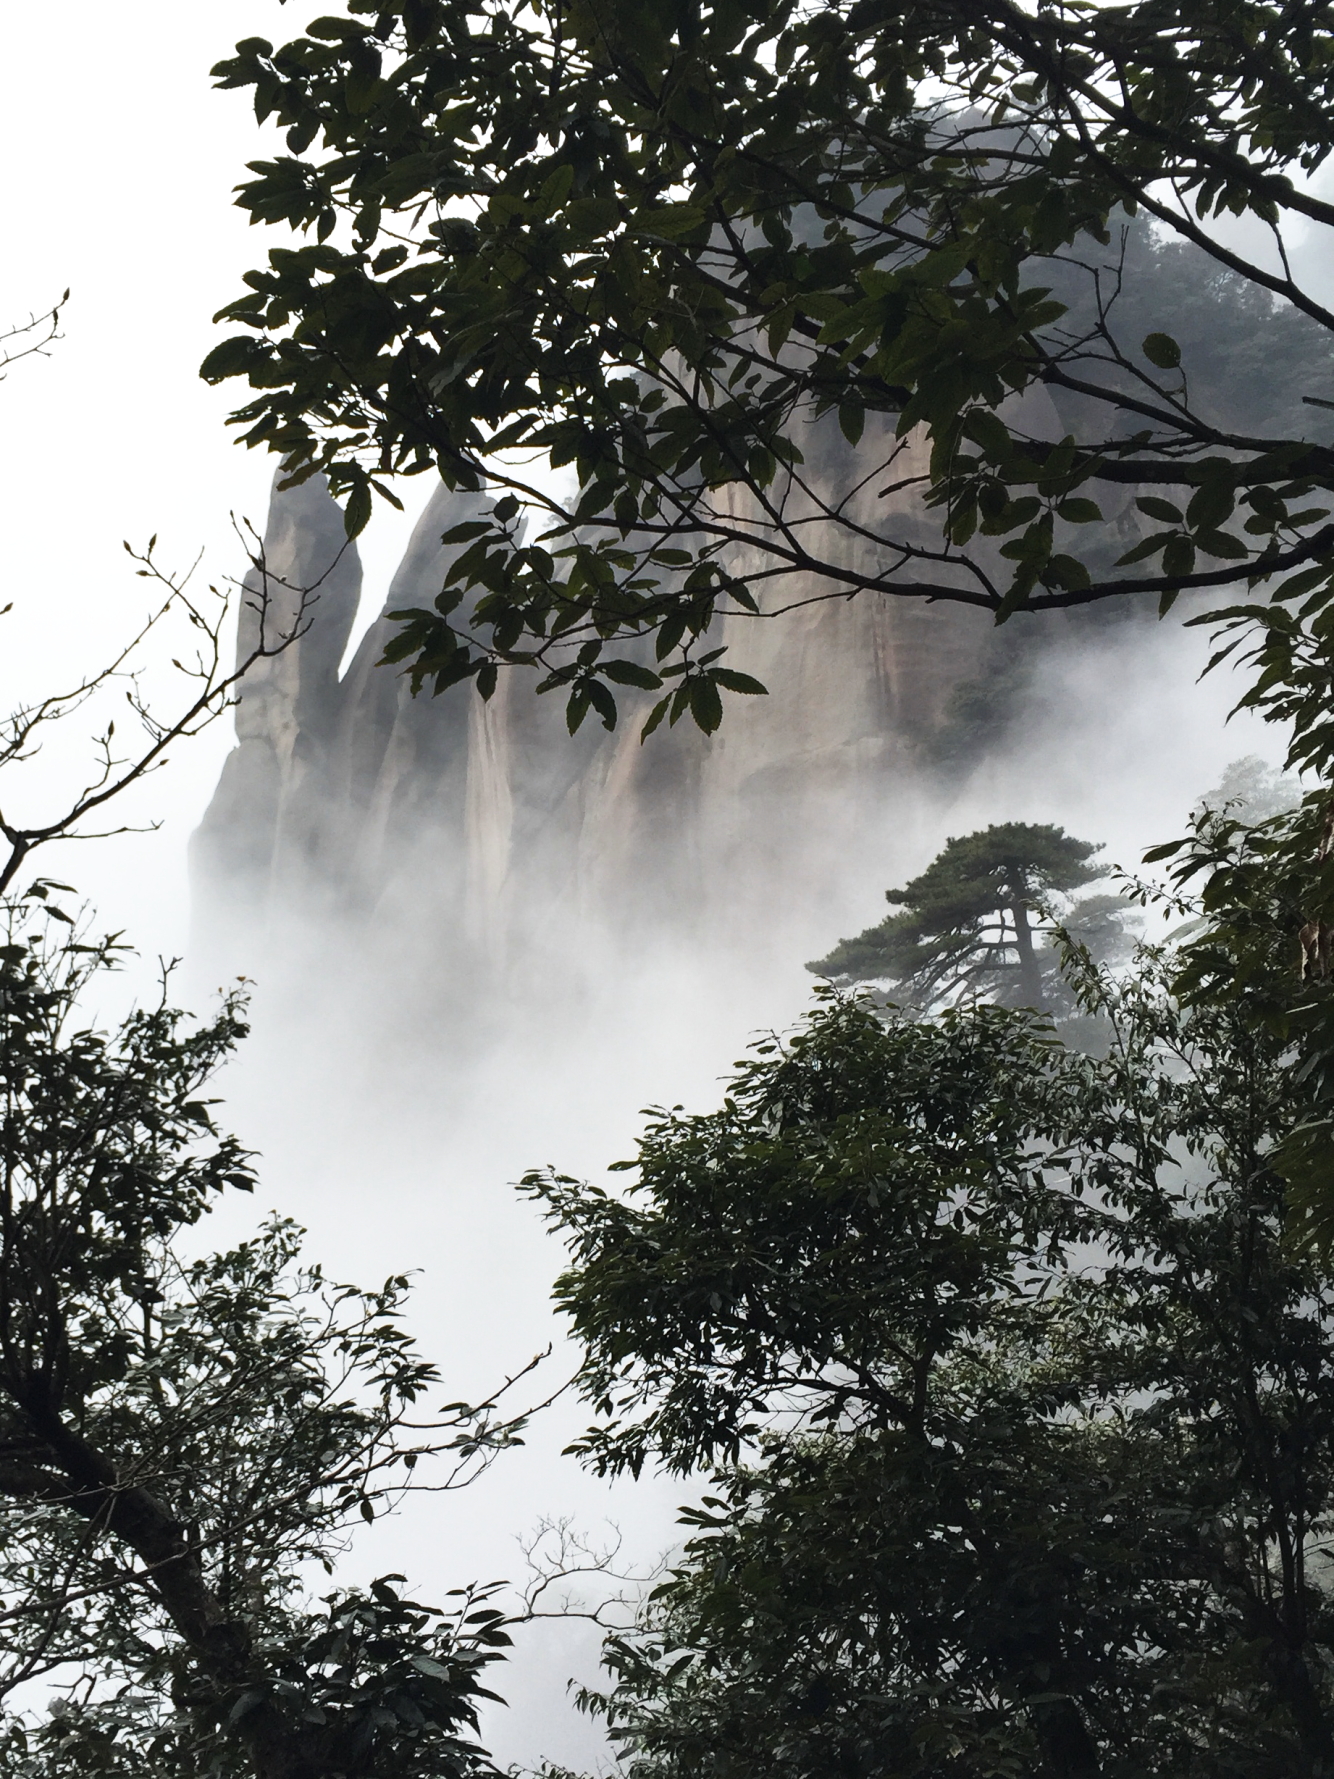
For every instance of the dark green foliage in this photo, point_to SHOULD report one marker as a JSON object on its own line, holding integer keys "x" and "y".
{"x": 676, "y": 247}
{"x": 1249, "y": 360}
{"x": 766, "y": 1252}
{"x": 1267, "y": 888}
{"x": 181, "y": 1438}
{"x": 1020, "y": 1408}
{"x": 375, "y": 1682}
{"x": 977, "y": 921}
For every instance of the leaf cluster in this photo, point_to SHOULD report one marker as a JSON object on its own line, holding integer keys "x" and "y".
{"x": 701, "y": 255}
{"x": 1018, "y": 1403}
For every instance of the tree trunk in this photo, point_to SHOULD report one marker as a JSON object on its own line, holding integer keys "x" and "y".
{"x": 1067, "y": 1747}
{"x": 1293, "y": 1684}
{"x": 1030, "y": 976}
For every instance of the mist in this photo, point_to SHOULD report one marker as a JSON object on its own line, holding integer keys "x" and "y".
{"x": 476, "y": 946}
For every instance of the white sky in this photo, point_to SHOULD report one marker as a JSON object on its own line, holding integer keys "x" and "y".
{"x": 119, "y": 160}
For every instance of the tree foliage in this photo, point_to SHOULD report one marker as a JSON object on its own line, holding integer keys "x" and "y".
{"x": 180, "y": 1439}
{"x": 976, "y": 918}
{"x": 692, "y": 250}
{"x": 1266, "y": 889}
{"x": 1017, "y": 1401}
{"x": 184, "y": 1439}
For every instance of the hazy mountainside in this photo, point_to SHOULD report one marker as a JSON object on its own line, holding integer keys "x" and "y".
{"x": 487, "y": 827}
{"x": 347, "y": 796}
{"x": 1248, "y": 360}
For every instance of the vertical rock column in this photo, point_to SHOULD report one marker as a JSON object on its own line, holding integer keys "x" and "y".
{"x": 261, "y": 835}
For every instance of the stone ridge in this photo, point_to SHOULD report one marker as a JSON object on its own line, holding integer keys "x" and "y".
{"x": 347, "y": 797}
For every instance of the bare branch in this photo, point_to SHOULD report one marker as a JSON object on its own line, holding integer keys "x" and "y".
{"x": 211, "y": 687}
{"x": 31, "y": 338}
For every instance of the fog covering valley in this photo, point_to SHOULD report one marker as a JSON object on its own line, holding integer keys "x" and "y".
{"x": 479, "y": 946}
{"x": 475, "y": 945}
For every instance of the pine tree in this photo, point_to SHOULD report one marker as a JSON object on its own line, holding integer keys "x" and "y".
{"x": 977, "y": 920}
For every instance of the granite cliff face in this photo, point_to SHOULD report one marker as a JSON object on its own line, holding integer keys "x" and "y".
{"x": 347, "y": 798}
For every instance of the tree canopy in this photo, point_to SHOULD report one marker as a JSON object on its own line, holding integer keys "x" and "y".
{"x": 977, "y": 921}
{"x": 693, "y": 251}
{"x": 1016, "y": 1397}
{"x": 182, "y": 1440}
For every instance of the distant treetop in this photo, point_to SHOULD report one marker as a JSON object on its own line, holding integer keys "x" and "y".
{"x": 971, "y": 924}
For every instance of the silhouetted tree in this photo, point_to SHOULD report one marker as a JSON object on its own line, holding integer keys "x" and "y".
{"x": 181, "y": 1438}
{"x": 1017, "y": 1400}
{"x": 978, "y": 919}
{"x": 1251, "y": 791}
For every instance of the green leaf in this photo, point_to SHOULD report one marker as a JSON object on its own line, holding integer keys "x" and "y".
{"x": 738, "y": 682}
{"x": 631, "y": 673}
{"x": 1211, "y": 504}
{"x": 1178, "y": 557}
{"x": 1298, "y": 584}
{"x": 1304, "y": 1160}
{"x": 1150, "y": 546}
{"x": 602, "y": 701}
{"x": 706, "y": 707}
{"x": 655, "y": 717}
{"x": 357, "y": 516}
{"x": 576, "y": 707}
{"x": 990, "y": 432}
{"x": 1067, "y": 572}
{"x": 1162, "y": 350}
{"x": 673, "y": 221}
{"x": 851, "y": 420}
{"x": 1221, "y": 543}
{"x": 1162, "y": 510}
{"x": 233, "y": 358}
